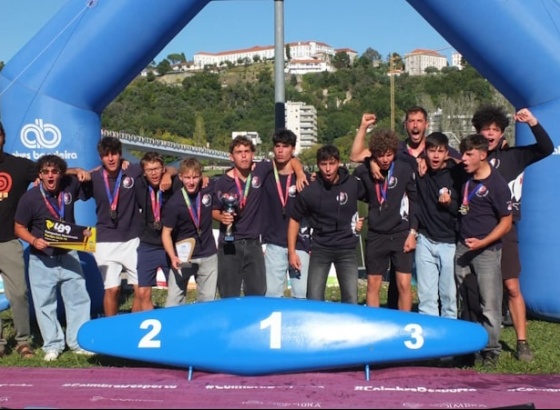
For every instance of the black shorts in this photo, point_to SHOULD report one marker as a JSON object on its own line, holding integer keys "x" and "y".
{"x": 382, "y": 249}
{"x": 150, "y": 258}
{"x": 511, "y": 265}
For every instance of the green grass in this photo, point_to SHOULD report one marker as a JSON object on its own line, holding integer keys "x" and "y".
{"x": 544, "y": 339}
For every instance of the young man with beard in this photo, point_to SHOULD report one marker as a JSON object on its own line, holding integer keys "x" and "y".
{"x": 392, "y": 225}
{"x": 188, "y": 214}
{"x": 330, "y": 203}
{"x": 52, "y": 268}
{"x": 484, "y": 218}
{"x": 438, "y": 203}
{"x": 416, "y": 124}
{"x": 280, "y": 196}
{"x": 491, "y": 122}
{"x": 150, "y": 252}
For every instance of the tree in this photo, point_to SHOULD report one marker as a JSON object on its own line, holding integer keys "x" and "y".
{"x": 341, "y": 60}
{"x": 163, "y": 67}
{"x": 177, "y": 58}
{"x": 288, "y": 53}
{"x": 431, "y": 70}
{"x": 199, "y": 135}
{"x": 256, "y": 58}
{"x": 372, "y": 55}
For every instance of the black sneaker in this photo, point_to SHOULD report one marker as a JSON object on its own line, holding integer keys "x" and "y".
{"x": 524, "y": 353}
{"x": 490, "y": 360}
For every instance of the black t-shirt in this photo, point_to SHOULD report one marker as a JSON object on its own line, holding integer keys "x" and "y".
{"x": 32, "y": 210}
{"x": 248, "y": 221}
{"x": 276, "y": 218}
{"x": 150, "y": 234}
{"x": 15, "y": 176}
{"x": 176, "y": 215}
{"x": 397, "y": 211}
{"x": 128, "y": 223}
{"x": 490, "y": 200}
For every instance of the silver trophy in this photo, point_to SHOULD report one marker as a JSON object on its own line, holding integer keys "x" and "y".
{"x": 229, "y": 202}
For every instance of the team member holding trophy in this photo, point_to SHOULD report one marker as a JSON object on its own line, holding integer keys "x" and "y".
{"x": 237, "y": 205}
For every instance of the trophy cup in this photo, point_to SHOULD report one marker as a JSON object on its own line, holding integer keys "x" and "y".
{"x": 229, "y": 202}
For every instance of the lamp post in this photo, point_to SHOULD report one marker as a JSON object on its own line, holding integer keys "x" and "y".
{"x": 279, "y": 89}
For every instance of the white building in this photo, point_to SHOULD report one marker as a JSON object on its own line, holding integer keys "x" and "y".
{"x": 301, "y": 50}
{"x": 302, "y": 120}
{"x": 417, "y": 61}
{"x": 307, "y": 66}
{"x": 456, "y": 60}
{"x": 252, "y": 135}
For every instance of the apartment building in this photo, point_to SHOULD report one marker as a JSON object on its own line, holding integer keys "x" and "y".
{"x": 418, "y": 60}
{"x": 302, "y": 120}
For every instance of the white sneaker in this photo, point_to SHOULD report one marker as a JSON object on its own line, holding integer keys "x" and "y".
{"x": 83, "y": 352}
{"x": 51, "y": 356}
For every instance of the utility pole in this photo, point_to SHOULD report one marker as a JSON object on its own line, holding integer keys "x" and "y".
{"x": 279, "y": 87}
{"x": 392, "y": 90}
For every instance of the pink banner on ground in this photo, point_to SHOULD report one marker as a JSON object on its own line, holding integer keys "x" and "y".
{"x": 398, "y": 388}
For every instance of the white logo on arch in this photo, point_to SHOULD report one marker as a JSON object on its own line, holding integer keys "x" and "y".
{"x": 40, "y": 135}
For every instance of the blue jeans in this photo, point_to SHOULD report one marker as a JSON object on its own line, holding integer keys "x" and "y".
{"x": 435, "y": 277}
{"x": 485, "y": 265}
{"x": 346, "y": 265}
{"x": 276, "y": 263}
{"x": 46, "y": 274}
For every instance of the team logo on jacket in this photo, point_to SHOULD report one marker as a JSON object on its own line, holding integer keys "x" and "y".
{"x": 127, "y": 182}
{"x": 404, "y": 208}
{"x": 393, "y": 181}
{"x": 256, "y": 182}
{"x": 206, "y": 200}
{"x": 292, "y": 191}
{"x": 495, "y": 162}
{"x": 482, "y": 192}
{"x": 342, "y": 198}
{"x": 67, "y": 198}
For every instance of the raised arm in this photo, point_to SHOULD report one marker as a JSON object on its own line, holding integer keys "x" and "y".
{"x": 359, "y": 150}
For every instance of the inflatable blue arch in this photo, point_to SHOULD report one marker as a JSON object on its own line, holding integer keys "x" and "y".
{"x": 56, "y": 87}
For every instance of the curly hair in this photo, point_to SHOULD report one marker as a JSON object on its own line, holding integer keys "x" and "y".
{"x": 383, "y": 140}
{"x": 488, "y": 115}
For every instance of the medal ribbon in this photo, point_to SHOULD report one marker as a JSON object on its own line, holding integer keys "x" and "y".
{"x": 242, "y": 193}
{"x": 382, "y": 192}
{"x": 283, "y": 199}
{"x": 156, "y": 203}
{"x": 194, "y": 209}
{"x": 114, "y": 198}
{"x": 468, "y": 196}
{"x": 56, "y": 210}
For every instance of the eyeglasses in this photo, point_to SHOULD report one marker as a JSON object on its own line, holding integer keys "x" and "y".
{"x": 49, "y": 171}
{"x": 153, "y": 170}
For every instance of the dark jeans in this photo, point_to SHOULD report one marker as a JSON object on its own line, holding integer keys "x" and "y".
{"x": 346, "y": 265}
{"x": 241, "y": 264}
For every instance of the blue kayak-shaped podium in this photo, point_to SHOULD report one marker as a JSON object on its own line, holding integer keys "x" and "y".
{"x": 4, "y": 302}
{"x": 258, "y": 335}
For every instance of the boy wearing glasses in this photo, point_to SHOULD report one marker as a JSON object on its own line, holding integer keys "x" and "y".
{"x": 51, "y": 268}
{"x": 151, "y": 199}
